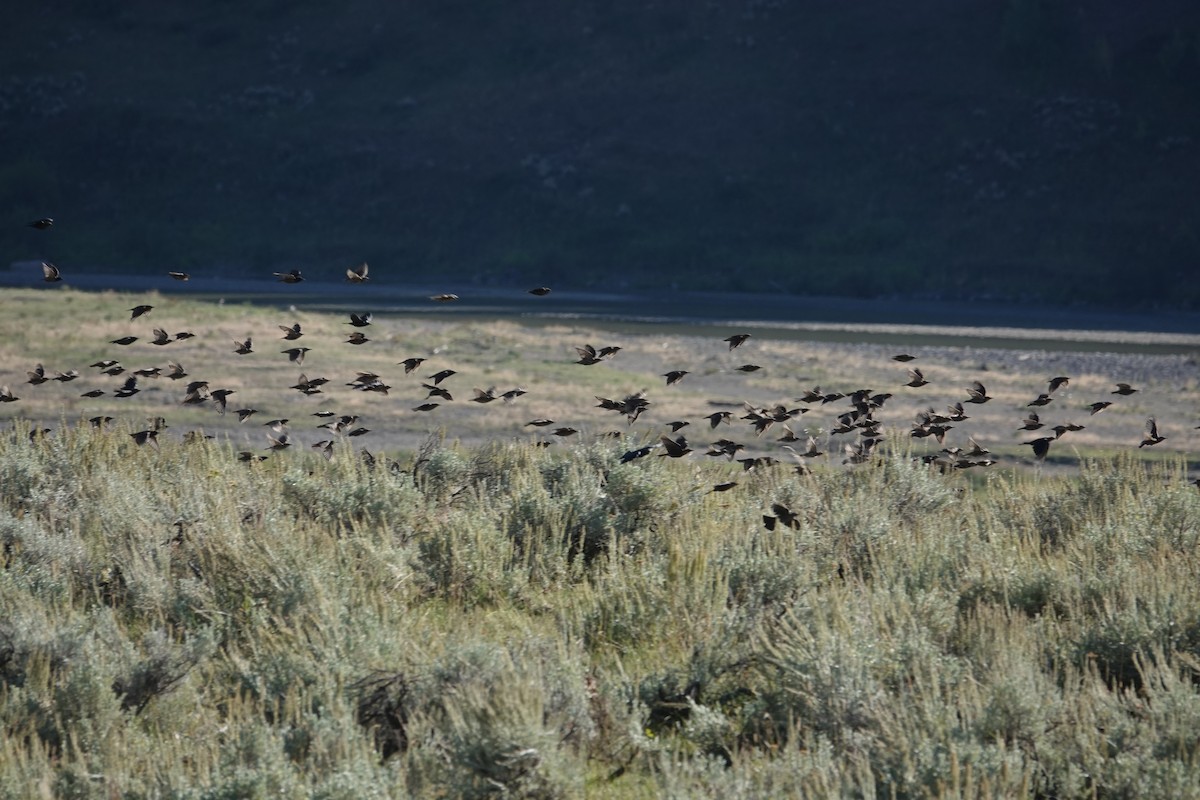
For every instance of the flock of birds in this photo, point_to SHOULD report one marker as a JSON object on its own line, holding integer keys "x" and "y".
{"x": 856, "y": 420}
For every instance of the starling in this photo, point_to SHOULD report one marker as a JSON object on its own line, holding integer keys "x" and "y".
{"x": 539, "y": 423}
{"x": 291, "y": 332}
{"x": 677, "y": 424}
{"x": 6, "y": 395}
{"x": 411, "y": 363}
{"x": 737, "y": 340}
{"x": 1151, "y": 437}
{"x": 513, "y": 394}
{"x": 124, "y": 340}
{"x": 161, "y": 337}
{"x": 540, "y": 291}
{"x": 220, "y": 397}
{"x": 438, "y": 377}
{"x": 675, "y": 376}
{"x": 723, "y": 487}
{"x": 357, "y": 338}
{"x": 1100, "y": 406}
{"x": 179, "y": 337}
{"x": 37, "y": 375}
{"x": 1040, "y": 447}
{"x": 717, "y": 417}
{"x": 977, "y": 393}
{"x": 360, "y": 320}
{"x": 128, "y": 389}
{"x": 641, "y": 452}
{"x": 1031, "y": 423}
{"x": 296, "y": 354}
{"x": 436, "y": 391}
{"x": 243, "y": 348}
{"x": 358, "y": 274}
{"x": 139, "y": 311}
{"x": 278, "y": 442}
{"x": 564, "y": 431}
{"x": 781, "y": 514}
{"x": 94, "y": 393}
{"x": 326, "y": 448}
{"x": 484, "y": 396}
{"x": 245, "y": 413}
{"x": 1124, "y": 389}
{"x": 675, "y": 448}
{"x": 45, "y": 223}
{"x": 1057, "y": 383}
{"x": 105, "y": 364}
{"x": 51, "y": 273}
{"x": 748, "y": 368}
{"x": 65, "y": 377}
{"x": 146, "y": 437}
{"x": 916, "y": 378}
{"x": 903, "y": 358}
{"x": 426, "y": 407}
{"x": 289, "y": 277}
{"x": 175, "y": 371}
{"x": 444, "y": 298}
{"x": 179, "y": 276}
{"x": 1041, "y": 400}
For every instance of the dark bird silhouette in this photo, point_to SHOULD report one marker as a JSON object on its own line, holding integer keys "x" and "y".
{"x": 675, "y": 425}
{"x": 722, "y": 487}
{"x": 675, "y": 448}
{"x": 411, "y": 363}
{"x": 147, "y": 372}
{"x": 1031, "y": 423}
{"x": 513, "y": 394}
{"x": 243, "y": 348}
{"x": 139, "y": 311}
{"x": 1151, "y": 437}
{"x": 358, "y": 274}
{"x": 245, "y": 413}
{"x": 325, "y": 447}
{"x": 65, "y": 377}
{"x": 249, "y": 457}
{"x": 1100, "y": 406}
{"x": 357, "y": 338}
{"x": 37, "y": 375}
{"x": 51, "y": 273}
{"x": 124, "y": 340}
{"x": 1069, "y": 427}
{"x": 296, "y": 354}
{"x": 43, "y": 224}
{"x": 977, "y": 393}
{"x": 444, "y": 298}
{"x": 94, "y": 393}
{"x": 737, "y": 340}
{"x": 105, "y": 364}
{"x": 161, "y": 337}
{"x": 175, "y": 371}
{"x": 100, "y": 422}
{"x": 539, "y": 423}
{"x": 748, "y": 368}
{"x": 903, "y": 358}
{"x": 640, "y": 452}
{"x": 974, "y": 449}
{"x": 564, "y": 431}
{"x": 438, "y": 377}
{"x": 1057, "y": 383}
{"x": 278, "y": 442}
{"x": 1041, "y": 400}
{"x": 1041, "y": 447}
{"x": 146, "y": 437}
{"x": 426, "y": 407}
{"x": 179, "y": 337}
{"x": 916, "y": 378}
{"x": 361, "y": 320}
{"x": 1124, "y": 389}
{"x": 220, "y": 397}
{"x": 782, "y": 515}
{"x": 540, "y": 291}
{"x": 675, "y": 376}
{"x": 128, "y": 389}
{"x": 717, "y": 417}
{"x": 180, "y": 276}
{"x": 289, "y": 277}
{"x": 291, "y": 332}
{"x": 484, "y": 395}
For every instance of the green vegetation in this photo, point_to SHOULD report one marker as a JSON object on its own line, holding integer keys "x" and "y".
{"x": 1025, "y": 149}
{"x": 515, "y": 621}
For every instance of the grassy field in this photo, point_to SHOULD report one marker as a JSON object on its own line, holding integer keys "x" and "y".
{"x": 471, "y": 615}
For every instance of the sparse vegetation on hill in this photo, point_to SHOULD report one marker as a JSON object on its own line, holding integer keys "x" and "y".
{"x": 1019, "y": 149}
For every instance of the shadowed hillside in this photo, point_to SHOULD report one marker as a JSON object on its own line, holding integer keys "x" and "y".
{"x": 1020, "y": 149}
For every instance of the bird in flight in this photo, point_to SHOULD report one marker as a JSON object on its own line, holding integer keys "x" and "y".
{"x": 179, "y": 276}
{"x": 358, "y": 274}
{"x": 289, "y": 277}
{"x": 45, "y": 223}
{"x": 737, "y": 340}
{"x": 291, "y": 332}
{"x": 51, "y": 273}
{"x": 540, "y": 291}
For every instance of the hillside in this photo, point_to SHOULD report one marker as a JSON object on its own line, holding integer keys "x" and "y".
{"x": 1027, "y": 149}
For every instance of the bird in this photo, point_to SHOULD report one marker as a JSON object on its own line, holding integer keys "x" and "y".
{"x": 289, "y": 277}
{"x": 243, "y": 348}
{"x": 146, "y": 437}
{"x": 124, "y": 340}
{"x": 180, "y": 276}
{"x": 540, "y": 291}
{"x": 1041, "y": 400}
{"x": 128, "y": 389}
{"x": 484, "y": 395}
{"x": 6, "y": 395}
{"x": 161, "y": 337}
{"x": 723, "y": 487}
{"x": 438, "y": 377}
{"x": 1124, "y": 389}
{"x": 903, "y": 357}
{"x": 1151, "y": 437}
{"x": 94, "y": 393}
{"x": 916, "y": 378}
{"x": 782, "y": 515}
{"x": 139, "y": 311}
{"x": 182, "y": 335}
{"x": 541, "y": 422}
{"x": 278, "y": 442}
{"x": 1100, "y": 406}
{"x": 64, "y": 377}
{"x": 426, "y": 407}
{"x": 564, "y": 431}
{"x": 220, "y": 396}
{"x": 45, "y": 223}
{"x": 676, "y": 425}
{"x": 1057, "y": 383}
{"x": 1041, "y": 447}
{"x": 245, "y": 413}
{"x": 640, "y": 452}
{"x": 444, "y": 298}
{"x": 360, "y": 320}
{"x": 357, "y": 337}
{"x": 358, "y": 274}
{"x": 1031, "y": 423}
{"x": 717, "y": 417}
{"x": 411, "y": 364}
{"x": 513, "y": 394}
{"x": 436, "y": 391}
{"x": 296, "y": 354}
{"x": 291, "y": 332}
{"x": 37, "y": 375}
{"x": 675, "y": 448}
{"x": 675, "y": 376}
{"x": 51, "y": 273}
{"x": 748, "y": 368}
{"x": 737, "y": 340}
{"x": 977, "y": 393}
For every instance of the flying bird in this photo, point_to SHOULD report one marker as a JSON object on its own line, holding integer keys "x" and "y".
{"x": 675, "y": 448}
{"x": 139, "y": 311}
{"x": 540, "y": 291}
{"x": 360, "y": 320}
{"x": 51, "y": 273}
{"x": 45, "y": 223}
{"x": 411, "y": 363}
{"x": 124, "y": 340}
{"x": 737, "y": 340}
{"x": 444, "y": 298}
{"x": 291, "y": 332}
{"x": 916, "y": 378}
{"x": 289, "y": 277}
{"x": 180, "y": 276}
{"x": 675, "y": 376}
{"x": 977, "y": 393}
{"x": 358, "y": 274}
{"x": 1151, "y": 437}
{"x": 161, "y": 337}
{"x": 243, "y": 348}
{"x": 296, "y": 354}
{"x": 1124, "y": 389}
